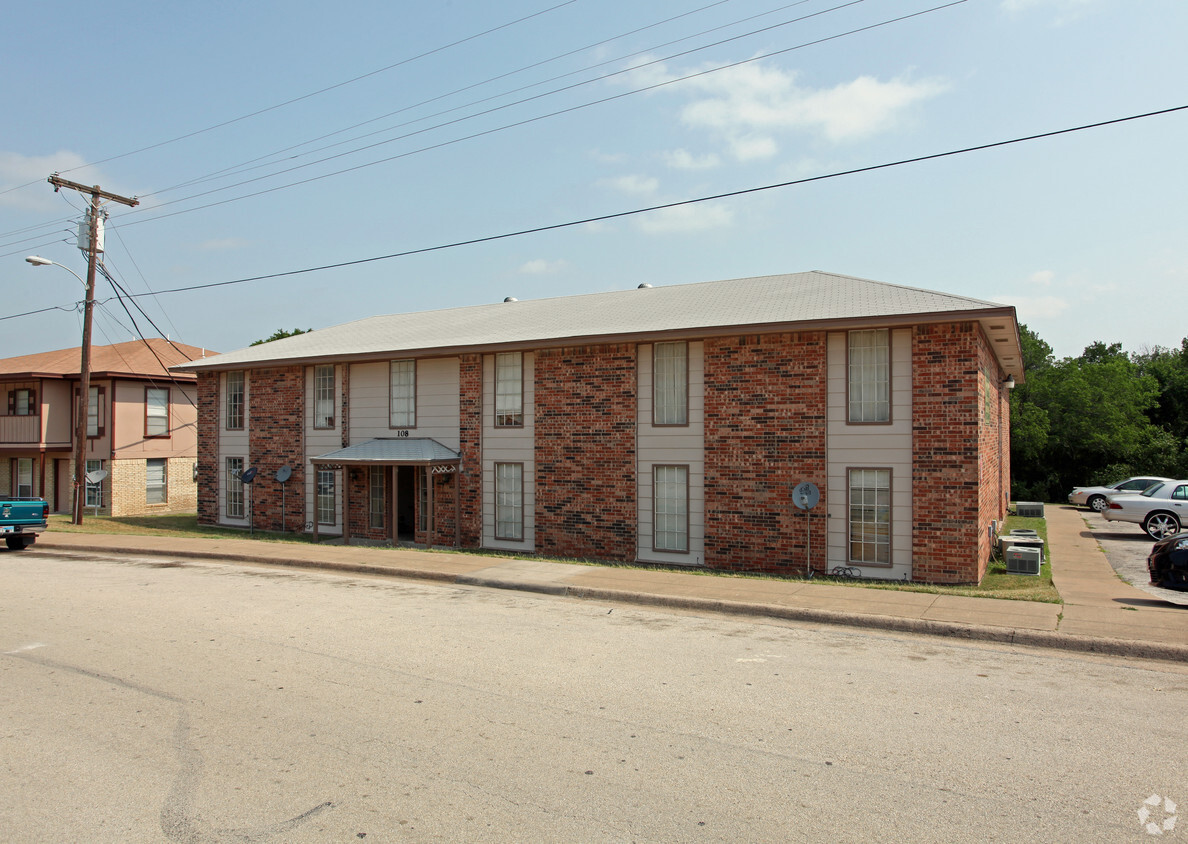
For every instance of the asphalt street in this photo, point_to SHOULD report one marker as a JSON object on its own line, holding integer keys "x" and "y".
{"x": 157, "y": 699}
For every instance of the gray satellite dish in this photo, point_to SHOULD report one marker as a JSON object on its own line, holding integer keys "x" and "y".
{"x": 284, "y": 473}
{"x": 806, "y": 495}
{"x": 98, "y": 476}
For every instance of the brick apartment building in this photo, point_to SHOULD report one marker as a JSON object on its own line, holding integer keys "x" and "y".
{"x": 654, "y": 425}
{"x": 141, "y": 427}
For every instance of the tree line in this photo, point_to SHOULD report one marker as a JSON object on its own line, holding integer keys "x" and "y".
{"x": 1097, "y": 418}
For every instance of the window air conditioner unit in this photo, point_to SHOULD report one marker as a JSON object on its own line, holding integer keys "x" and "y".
{"x": 1029, "y": 508}
{"x": 1023, "y": 560}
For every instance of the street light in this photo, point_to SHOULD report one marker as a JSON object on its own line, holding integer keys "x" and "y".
{"x": 84, "y": 398}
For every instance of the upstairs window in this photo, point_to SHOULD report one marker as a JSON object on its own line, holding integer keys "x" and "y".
{"x": 324, "y": 396}
{"x": 96, "y": 412}
{"x": 670, "y": 384}
{"x": 21, "y": 403}
{"x": 156, "y": 411}
{"x": 509, "y": 390}
{"x": 235, "y": 400}
{"x": 402, "y": 392}
{"x": 869, "y": 375}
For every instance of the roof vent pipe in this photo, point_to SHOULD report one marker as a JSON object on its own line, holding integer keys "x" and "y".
{"x": 511, "y": 299}
{"x": 644, "y": 286}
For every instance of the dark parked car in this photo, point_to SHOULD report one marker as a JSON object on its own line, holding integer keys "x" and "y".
{"x": 1168, "y": 562}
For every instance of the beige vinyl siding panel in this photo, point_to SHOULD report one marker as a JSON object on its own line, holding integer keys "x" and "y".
{"x": 871, "y": 446}
{"x": 509, "y": 445}
{"x": 438, "y": 401}
{"x": 232, "y": 443}
{"x": 671, "y": 445}
{"x": 318, "y": 441}
{"x": 56, "y": 399}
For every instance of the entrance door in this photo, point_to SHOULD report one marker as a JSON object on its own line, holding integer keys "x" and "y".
{"x": 406, "y": 501}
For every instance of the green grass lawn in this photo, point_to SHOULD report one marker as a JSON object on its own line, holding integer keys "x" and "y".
{"x": 996, "y": 584}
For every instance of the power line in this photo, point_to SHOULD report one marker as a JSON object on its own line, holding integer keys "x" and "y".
{"x": 651, "y": 208}
{"x": 309, "y": 95}
{"x": 515, "y": 124}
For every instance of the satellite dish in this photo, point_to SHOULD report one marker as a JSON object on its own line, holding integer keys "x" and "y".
{"x": 249, "y": 475}
{"x": 97, "y": 476}
{"x": 806, "y": 495}
{"x": 284, "y": 473}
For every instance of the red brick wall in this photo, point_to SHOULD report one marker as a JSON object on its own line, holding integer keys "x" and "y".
{"x": 276, "y": 410}
{"x": 765, "y": 399}
{"x": 585, "y": 451}
{"x": 470, "y": 430}
{"x": 994, "y": 445}
{"x": 946, "y": 543}
{"x": 208, "y": 448}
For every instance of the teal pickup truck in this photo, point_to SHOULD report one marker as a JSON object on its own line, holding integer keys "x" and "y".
{"x": 21, "y": 519}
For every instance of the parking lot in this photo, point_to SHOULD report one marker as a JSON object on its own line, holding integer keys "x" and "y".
{"x": 1126, "y": 547}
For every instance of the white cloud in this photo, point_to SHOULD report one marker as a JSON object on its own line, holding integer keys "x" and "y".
{"x": 750, "y": 100}
{"x": 634, "y": 185}
{"x": 1043, "y": 277}
{"x": 540, "y": 266}
{"x": 681, "y": 159}
{"x": 18, "y": 170}
{"x": 686, "y": 218}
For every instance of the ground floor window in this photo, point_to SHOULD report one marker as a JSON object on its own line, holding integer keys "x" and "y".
{"x": 24, "y": 484}
{"x": 375, "y": 499}
{"x": 509, "y": 501}
{"x": 326, "y": 514}
{"x": 670, "y": 508}
{"x": 422, "y": 499}
{"x": 94, "y": 495}
{"x": 235, "y": 487}
{"x": 870, "y": 516}
{"x": 154, "y": 480}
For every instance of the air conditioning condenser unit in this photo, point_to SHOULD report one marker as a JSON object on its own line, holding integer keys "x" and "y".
{"x": 1023, "y": 560}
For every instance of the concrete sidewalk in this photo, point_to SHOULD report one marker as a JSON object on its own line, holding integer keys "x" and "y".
{"x": 1100, "y": 614}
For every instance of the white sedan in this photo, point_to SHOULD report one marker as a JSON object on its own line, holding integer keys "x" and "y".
{"x": 1161, "y": 509}
{"x": 1097, "y": 497}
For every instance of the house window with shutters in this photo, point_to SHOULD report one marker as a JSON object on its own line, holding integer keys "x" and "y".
{"x": 22, "y": 403}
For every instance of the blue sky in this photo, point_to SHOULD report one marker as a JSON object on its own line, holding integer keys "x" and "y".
{"x": 413, "y": 126}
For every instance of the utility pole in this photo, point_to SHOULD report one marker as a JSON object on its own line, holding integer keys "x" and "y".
{"x": 84, "y": 393}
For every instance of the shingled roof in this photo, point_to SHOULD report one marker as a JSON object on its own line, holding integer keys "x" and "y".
{"x": 134, "y": 359}
{"x": 797, "y": 301}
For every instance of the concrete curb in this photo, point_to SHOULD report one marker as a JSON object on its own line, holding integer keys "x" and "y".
{"x": 1049, "y": 639}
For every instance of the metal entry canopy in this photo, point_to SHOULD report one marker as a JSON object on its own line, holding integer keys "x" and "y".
{"x": 392, "y": 451}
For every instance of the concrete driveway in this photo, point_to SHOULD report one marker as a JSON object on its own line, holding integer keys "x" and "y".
{"x": 1126, "y": 547}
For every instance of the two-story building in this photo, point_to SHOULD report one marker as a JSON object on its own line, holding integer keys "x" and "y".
{"x": 653, "y": 425}
{"x": 141, "y": 427}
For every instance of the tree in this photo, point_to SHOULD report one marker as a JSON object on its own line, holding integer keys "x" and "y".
{"x": 280, "y": 334}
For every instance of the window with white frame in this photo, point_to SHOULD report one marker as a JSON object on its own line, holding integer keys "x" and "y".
{"x": 422, "y": 476}
{"x": 869, "y": 375}
{"x": 870, "y": 516}
{"x": 375, "y": 498}
{"x": 94, "y": 490}
{"x": 509, "y": 390}
{"x": 235, "y": 400}
{"x": 670, "y": 384}
{"x": 670, "y": 508}
{"x": 156, "y": 411}
{"x": 509, "y": 501}
{"x": 24, "y": 484}
{"x": 324, "y": 396}
{"x": 402, "y": 393}
{"x": 154, "y": 481}
{"x": 326, "y": 514}
{"x": 235, "y": 487}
